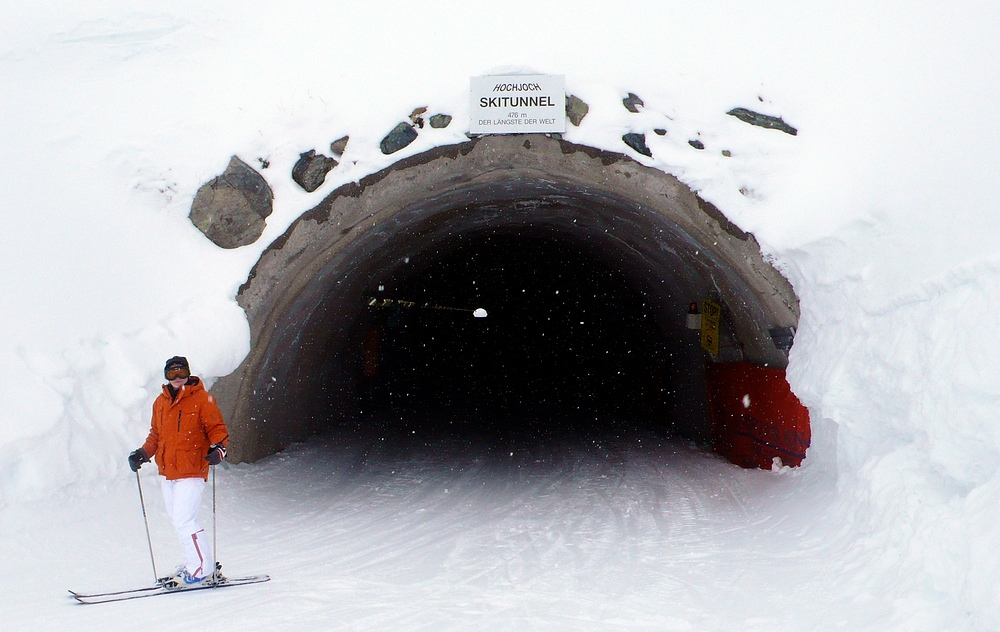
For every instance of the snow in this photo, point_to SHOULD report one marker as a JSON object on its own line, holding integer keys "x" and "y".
{"x": 390, "y": 532}
{"x": 882, "y": 212}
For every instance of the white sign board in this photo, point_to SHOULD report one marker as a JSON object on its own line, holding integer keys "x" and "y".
{"x": 518, "y": 104}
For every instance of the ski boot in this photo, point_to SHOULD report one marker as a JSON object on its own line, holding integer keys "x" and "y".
{"x": 162, "y": 581}
{"x": 182, "y": 579}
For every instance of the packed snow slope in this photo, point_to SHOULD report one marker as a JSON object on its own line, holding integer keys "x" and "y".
{"x": 375, "y": 529}
{"x": 883, "y": 212}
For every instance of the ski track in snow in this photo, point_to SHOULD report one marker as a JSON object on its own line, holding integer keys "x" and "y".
{"x": 392, "y": 532}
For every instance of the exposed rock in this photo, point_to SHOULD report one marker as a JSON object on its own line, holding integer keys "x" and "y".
{"x": 697, "y": 144}
{"x": 632, "y": 103}
{"x": 231, "y": 208}
{"x": 440, "y": 121}
{"x": 727, "y": 153}
{"x": 762, "y": 120}
{"x": 660, "y": 131}
{"x": 638, "y": 143}
{"x": 311, "y": 169}
{"x": 400, "y": 136}
{"x": 576, "y": 109}
{"x": 417, "y": 117}
{"x": 339, "y": 146}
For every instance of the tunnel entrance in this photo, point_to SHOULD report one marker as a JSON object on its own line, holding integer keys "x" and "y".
{"x": 585, "y": 261}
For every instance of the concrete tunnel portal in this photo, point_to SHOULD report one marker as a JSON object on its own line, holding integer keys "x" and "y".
{"x": 585, "y": 261}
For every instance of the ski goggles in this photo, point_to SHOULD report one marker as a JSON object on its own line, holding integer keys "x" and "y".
{"x": 178, "y": 373}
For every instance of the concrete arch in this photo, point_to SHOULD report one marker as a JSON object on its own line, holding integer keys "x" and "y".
{"x": 304, "y": 296}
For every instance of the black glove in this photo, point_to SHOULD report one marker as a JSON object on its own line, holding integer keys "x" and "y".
{"x": 216, "y": 452}
{"x": 137, "y": 458}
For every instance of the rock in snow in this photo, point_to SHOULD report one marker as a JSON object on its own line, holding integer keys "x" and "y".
{"x": 576, "y": 109}
{"x": 311, "y": 169}
{"x": 762, "y": 120}
{"x": 638, "y": 143}
{"x": 400, "y": 136}
{"x": 231, "y": 208}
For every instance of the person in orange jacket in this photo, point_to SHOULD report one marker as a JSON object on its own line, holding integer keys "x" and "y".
{"x": 186, "y": 436}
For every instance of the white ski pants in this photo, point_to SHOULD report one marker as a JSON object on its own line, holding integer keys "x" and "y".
{"x": 183, "y": 499}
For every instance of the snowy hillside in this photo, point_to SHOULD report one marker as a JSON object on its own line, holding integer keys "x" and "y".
{"x": 883, "y": 212}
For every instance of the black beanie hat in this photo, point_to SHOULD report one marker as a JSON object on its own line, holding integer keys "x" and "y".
{"x": 177, "y": 362}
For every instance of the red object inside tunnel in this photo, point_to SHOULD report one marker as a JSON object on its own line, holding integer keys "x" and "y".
{"x": 756, "y": 416}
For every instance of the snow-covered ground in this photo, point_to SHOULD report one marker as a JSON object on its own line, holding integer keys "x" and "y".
{"x": 883, "y": 211}
{"x": 367, "y": 530}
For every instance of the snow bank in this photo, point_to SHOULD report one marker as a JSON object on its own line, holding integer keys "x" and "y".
{"x": 883, "y": 210}
{"x": 97, "y": 396}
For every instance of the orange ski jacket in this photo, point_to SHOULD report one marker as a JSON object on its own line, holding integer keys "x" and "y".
{"x": 182, "y": 430}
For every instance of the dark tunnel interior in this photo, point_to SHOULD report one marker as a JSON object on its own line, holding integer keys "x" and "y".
{"x": 572, "y": 342}
{"x": 566, "y": 337}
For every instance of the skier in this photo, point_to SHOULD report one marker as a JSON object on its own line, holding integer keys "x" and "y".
{"x": 186, "y": 435}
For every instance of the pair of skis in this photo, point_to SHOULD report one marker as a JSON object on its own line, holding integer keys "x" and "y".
{"x": 163, "y": 585}
{"x": 160, "y": 589}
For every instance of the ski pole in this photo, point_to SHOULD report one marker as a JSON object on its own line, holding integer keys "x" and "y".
{"x": 215, "y": 530}
{"x": 145, "y": 520}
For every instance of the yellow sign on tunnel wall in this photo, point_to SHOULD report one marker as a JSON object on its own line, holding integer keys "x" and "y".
{"x": 711, "y": 312}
